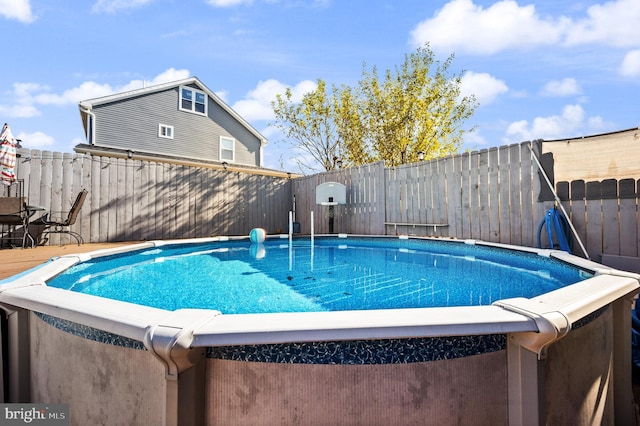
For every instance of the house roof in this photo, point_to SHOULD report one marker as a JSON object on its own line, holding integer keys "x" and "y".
{"x": 86, "y": 105}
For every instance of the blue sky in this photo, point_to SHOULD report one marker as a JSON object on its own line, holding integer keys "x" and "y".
{"x": 540, "y": 69}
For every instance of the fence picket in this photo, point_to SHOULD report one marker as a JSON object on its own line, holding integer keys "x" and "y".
{"x": 527, "y": 196}
{"x": 594, "y": 217}
{"x": 515, "y": 194}
{"x": 494, "y": 199}
{"x": 628, "y": 222}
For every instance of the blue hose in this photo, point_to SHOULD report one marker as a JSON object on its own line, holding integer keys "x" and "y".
{"x": 557, "y": 228}
{"x": 635, "y": 337}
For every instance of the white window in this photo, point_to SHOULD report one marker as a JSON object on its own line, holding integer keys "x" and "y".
{"x": 193, "y": 100}
{"x": 165, "y": 131}
{"x": 227, "y": 149}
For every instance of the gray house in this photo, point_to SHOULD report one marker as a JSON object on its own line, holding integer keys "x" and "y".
{"x": 177, "y": 121}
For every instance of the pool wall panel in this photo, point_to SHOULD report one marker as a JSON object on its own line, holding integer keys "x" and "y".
{"x": 471, "y": 390}
{"x": 579, "y": 375}
{"x": 102, "y": 383}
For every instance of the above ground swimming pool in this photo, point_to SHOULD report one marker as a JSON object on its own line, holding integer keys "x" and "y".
{"x": 354, "y": 330}
{"x": 328, "y": 274}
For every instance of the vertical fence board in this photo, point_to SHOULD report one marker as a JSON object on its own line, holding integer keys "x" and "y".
{"x": 483, "y": 196}
{"x": 197, "y": 224}
{"x": 150, "y": 177}
{"x": 475, "y": 208}
{"x": 138, "y": 194}
{"x": 427, "y": 195}
{"x": 515, "y": 194}
{"x": 465, "y": 196}
{"x": 83, "y": 168}
{"x": 594, "y": 218}
{"x": 439, "y": 198}
{"x": 494, "y": 200}
{"x": 527, "y": 196}
{"x": 578, "y": 212}
{"x": 610, "y": 217}
{"x": 160, "y": 200}
{"x": 103, "y": 198}
{"x": 390, "y": 192}
{"x": 31, "y": 171}
{"x": 453, "y": 191}
{"x": 169, "y": 212}
{"x": 504, "y": 197}
{"x": 120, "y": 202}
{"x": 208, "y": 202}
{"x": 94, "y": 194}
{"x": 628, "y": 218}
{"x": 413, "y": 199}
{"x": 108, "y": 222}
{"x": 541, "y": 186}
{"x": 56, "y": 190}
{"x": 67, "y": 180}
{"x": 77, "y": 185}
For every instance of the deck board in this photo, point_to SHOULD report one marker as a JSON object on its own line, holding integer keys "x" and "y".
{"x": 16, "y": 260}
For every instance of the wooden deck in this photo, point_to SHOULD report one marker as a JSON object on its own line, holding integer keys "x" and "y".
{"x": 16, "y": 260}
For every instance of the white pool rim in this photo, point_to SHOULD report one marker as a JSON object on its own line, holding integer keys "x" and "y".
{"x": 538, "y": 321}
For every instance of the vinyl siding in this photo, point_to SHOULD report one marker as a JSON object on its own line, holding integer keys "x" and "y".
{"x": 133, "y": 124}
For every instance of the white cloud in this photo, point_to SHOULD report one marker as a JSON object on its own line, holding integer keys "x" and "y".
{"x": 257, "y": 103}
{"x": 483, "y": 86}
{"x": 28, "y": 96}
{"x": 630, "y": 66}
{"x": 86, "y": 90}
{"x": 22, "y": 95}
{"x": 570, "y": 122}
{"x": 25, "y": 90}
{"x": 20, "y": 10}
{"x": 167, "y": 76}
{"x": 463, "y": 26}
{"x": 35, "y": 140}
{"x": 564, "y": 87}
{"x": 227, "y": 3}
{"x": 614, "y": 23}
{"x": 597, "y": 123}
{"x": 321, "y": 4}
{"x": 222, "y": 94}
{"x": 114, "y": 6}
{"x": 19, "y": 111}
{"x": 473, "y": 140}
{"x": 318, "y": 4}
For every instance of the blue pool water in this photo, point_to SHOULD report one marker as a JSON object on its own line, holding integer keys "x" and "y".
{"x": 335, "y": 274}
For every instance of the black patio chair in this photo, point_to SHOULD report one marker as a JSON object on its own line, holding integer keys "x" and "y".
{"x": 14, "y": 213}
{"x": 56, "y": 223}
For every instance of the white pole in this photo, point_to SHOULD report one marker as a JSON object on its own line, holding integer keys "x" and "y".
{"x": 312, "y": 240}
{"x": 290, "y": 240}
{"x": 294, "y": 208}
{"x": 559, "y": 203}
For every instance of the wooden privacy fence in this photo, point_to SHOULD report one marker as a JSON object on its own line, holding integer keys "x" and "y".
{"x": 133, "y": 200}
{"x": 492, "y": 195}
{"x": 605, "y": 215}
{"x": 489, "y": 195}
